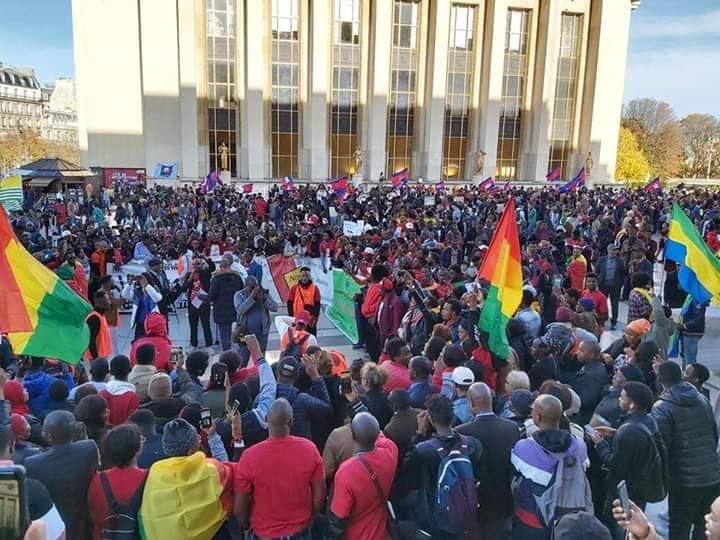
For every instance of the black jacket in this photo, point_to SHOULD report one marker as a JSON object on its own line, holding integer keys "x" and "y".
{"x": 589, "y": 384}
{"x": 607, "y": 281}
{"x": 631, "y": 448}
{"x": 497, "y": 436}
{"x": 609, "y": 407}
{"x": 687, "y": 424}
{"x": 694, "y": 319}
{"x": 66, "y": 471}
{"x": 222, "y": 291}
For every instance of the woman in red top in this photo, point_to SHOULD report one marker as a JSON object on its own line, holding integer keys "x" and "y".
{"x": 124, "y": 480}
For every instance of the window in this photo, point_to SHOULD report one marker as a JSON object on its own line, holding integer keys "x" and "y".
{"x": 345, "y": 87}
{"x": 563, "y": 119}
{"x": 403, "y": 87}
{"x": 458, "y": 90}
{"x": 222, "y": 110}
{"x": 285, "y": 87}
{"x": 513, "y": 93}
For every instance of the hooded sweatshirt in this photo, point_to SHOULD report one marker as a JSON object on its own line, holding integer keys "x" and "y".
{"x": 156, "y": 335}
{"x": 37, "y": 384}
{"x": 121, "y": 401}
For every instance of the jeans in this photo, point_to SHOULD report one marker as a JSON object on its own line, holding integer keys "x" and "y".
{"x": 224, "y": 333}
{"x": 687, "y": 508}
{"x": 689, "y": 349}
{"x": 201, "y": 314}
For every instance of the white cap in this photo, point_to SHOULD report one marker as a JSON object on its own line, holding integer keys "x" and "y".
{"x": 369, "y": 251}
{"x": 65, "y": 234}
{"x": 463, "y": 376}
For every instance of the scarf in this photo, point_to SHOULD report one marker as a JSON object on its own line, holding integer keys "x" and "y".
{"x": 646, "y": 295}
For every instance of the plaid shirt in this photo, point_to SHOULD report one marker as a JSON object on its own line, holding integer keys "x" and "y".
{"x": 638, "y": 307}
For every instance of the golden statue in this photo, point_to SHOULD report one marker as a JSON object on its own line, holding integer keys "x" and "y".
{"x": 224, "y": 151}
{"x": 357, "y": 157}
{"x": 589, "y": 164}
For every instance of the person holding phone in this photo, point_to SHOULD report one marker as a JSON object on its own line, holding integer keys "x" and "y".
{"x": 254, "y": 305}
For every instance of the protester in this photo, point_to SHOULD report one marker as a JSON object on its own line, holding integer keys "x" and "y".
{"x": 151, "y": 450}
{"x": 119, "y": 392}
{"x": 695, "y": 374}
{"x": 420, "y": 389}
{"x": 692, "y": 329}
{"x": 223, "y": 286}
{"x": 305, "y": 296}
{"x": 254, "y": 305}
{"x": 156, "y": 335}
{"x": 143, "y": 370}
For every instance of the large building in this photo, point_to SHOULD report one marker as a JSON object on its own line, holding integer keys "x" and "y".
{"x": 20, "y": 100}
{"x": 449, "y": 89}
{"x": 60, "y": 112}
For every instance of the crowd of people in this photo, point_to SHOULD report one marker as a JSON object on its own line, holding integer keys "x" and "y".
{"x": 428, "y": 434}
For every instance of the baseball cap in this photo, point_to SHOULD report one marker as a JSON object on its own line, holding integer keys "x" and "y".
{"x": 588, "y": 304}
{"x": 463, "y": 376}
{"x": 303, "y": 317}
{"x": 288, "y": 366}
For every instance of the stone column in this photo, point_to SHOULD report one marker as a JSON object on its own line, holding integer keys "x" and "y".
{"x": 188, "y": 89}
{"x": 255, "y": 150}
{"x": 603, "y": 97}
{"x": 430, "y": 122}
{"x": 375, "y": 134}
{"x": 314, "y": 157}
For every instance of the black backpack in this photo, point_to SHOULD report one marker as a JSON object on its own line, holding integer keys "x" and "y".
{"x": 294, "y": 347}
{"x": 121, "y": 522}
{"x": 654, "y": 484}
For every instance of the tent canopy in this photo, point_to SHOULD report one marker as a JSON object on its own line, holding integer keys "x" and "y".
{"x": 54, "y": 168}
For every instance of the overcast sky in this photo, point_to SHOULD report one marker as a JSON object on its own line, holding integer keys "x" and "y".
{"x": 674, "y": 48}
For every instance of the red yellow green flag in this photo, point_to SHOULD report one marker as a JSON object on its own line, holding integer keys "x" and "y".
{"x": 502, "y": 268}
{"x": 40, "y": 313}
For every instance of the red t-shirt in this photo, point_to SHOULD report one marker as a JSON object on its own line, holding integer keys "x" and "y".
{"x": 601, "y": 306}
{"x": 278, "y": 473}
{"x": 260, "y": 207}
{"x": 356, "y": 499}
{"x": 123, "y": 484}
{"x": 398, "y": 377}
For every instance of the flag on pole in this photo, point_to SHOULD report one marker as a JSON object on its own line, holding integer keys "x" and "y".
{"x": 553, "y": 175}
{"x": 288, "y": 184}
{"x": 40, "y": 313}
{"x": 11, "y": 194}
{"x": 211, "y": 182}
{"x": 340, "y": 188}
{"x": 575, "y": 183}
{"x": 653, "y": 186}
{"x": 507, "y": 186}
{"x": 166, "y": 170}
{"x": 699, "y": 268}
{"x": 440, "y": 186}
{"x": 501, "y": 268}
{"x": 488, "y": 184}
{"x": 400, "y": 178}
{"x": 247, "y": 188}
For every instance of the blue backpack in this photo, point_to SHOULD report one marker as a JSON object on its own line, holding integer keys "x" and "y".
{"x": 456, "y": 500}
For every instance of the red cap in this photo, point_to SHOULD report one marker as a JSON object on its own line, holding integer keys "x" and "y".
{"x": 303, "y": 317}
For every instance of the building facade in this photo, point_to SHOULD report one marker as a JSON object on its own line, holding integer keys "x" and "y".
{"x": 455, "y": 89}
{"x": 20, "y": 100}
{"x": 59, "y": 110}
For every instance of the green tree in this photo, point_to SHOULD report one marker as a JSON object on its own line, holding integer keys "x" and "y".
{"x": 632, "y": 165}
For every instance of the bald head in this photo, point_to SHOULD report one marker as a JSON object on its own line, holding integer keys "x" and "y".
{"x": 547, "y": 411}
{"x": 58, "y": 427}
{"x": 279, "y": 418}
{"x": 480, "y": 397}
{"x": 365, "y": 430}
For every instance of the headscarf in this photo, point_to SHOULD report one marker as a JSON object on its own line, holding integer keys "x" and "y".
{"x": 15, "y": 394}
{"x": 160, "y": 386}
{"x": 638, "y": 327}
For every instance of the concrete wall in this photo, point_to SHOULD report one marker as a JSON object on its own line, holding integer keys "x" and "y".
{"x": 142, "y": 98}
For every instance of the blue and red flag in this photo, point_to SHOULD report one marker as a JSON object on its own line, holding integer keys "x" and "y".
{"x": 247, "y": 188}
{"x": 211, "y": 181}
{"x": 400, "y": 178}
{"x": 287, "y": 184}
{"x": 340, "y": 188}
{"x": 575, "y": 183}
{"x": 488, "y": 184}
{"x": 653, "y": 186}
{"x": 553, "y": 175}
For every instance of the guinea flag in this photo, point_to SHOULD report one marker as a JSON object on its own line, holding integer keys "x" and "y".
{"x": 501, "y": 267}
{"x": 40, "y": 313}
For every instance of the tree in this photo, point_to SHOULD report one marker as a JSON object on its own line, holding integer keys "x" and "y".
{"x": 25, "y": 145}
{"x": 658, "y": 133}
{"x": 632, "y": 165}
{"x": 702, "y": 135}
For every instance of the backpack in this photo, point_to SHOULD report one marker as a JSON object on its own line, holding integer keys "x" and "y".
{"x": 121, "y": 522}
{"x": 654, "y": 484}
{"x": 293, "y": 347}
{"x": 456, "y": 500}
{"x": 568, "y": 491}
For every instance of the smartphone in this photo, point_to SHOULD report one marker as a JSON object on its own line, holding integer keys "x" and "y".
{"x": 205, "y": 418}
{"x": 233, "y": 410}
{"x": 218, "y": 372}
{"x": 590, "y": 430}
{"x": 14, "y": 513}
{"x": 624, "y": 498}
{"x": 175, "y": 353}
{"x": 345, "y": 382}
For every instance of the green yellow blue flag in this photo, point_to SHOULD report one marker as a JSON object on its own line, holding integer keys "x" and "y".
{"x": 11, "y": 194}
